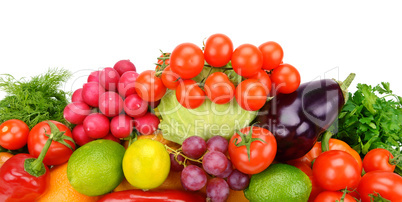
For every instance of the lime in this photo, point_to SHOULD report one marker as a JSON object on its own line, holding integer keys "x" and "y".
{"x": 279, "y": 182}
{"x": 146, "y": 164}
{"x": 96, "y": 168}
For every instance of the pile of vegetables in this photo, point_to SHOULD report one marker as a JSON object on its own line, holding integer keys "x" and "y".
{"x": 217, "y": 114}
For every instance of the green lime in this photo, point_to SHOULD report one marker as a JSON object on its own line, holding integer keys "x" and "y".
{"x": 96, "y": 168}
{"x": 279, "y": 182}
{"x": 146, "y": 164}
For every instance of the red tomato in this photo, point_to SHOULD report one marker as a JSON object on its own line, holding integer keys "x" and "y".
{"x": 261, "y": 151}
{"x": 13, "y": 134}
{"x": 219, "y": 88}
{"x": 218, "y": 50}
{"x": 334, "y": 144}
{"x": 247, "y": 60}
{"x": 378, "y": 159}
{"x": 263, "y": 77}
{"x": 315, "y": 189}
{"x": 272, "y": 54}
{"x": 169, "y": 78}
{"x": 57, "y": 153}
{"x": 149, "y": 87}
{"x": 335, "y": 170}
{"x": 189, "y": 94}
{"x": 187, "y": 60}
{"x": 285, "y": 78}
{"x": 331, "y": 196}
{"x": 251, "y": 95}
{"x": 387, "y": 184}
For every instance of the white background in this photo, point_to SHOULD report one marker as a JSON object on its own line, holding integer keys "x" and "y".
{"x": 364, "y": 37}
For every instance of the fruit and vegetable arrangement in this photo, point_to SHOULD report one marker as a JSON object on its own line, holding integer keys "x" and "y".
{"x": 211, "y": 123}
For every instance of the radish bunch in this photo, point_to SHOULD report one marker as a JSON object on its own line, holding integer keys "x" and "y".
{"x": 108, "y": 106}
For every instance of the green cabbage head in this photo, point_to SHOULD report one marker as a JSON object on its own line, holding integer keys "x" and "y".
{"x": 206, "y": 121}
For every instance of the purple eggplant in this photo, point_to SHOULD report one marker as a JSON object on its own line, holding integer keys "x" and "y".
{"x": 299, "y": 118}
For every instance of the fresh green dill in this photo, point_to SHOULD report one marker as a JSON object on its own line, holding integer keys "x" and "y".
{"x": 372, "y": 118}
{"x": 37, "y": 99}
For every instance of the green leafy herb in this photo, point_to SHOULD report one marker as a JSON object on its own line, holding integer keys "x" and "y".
{"x": 372, "y": 118}
{"x": 34, "y": 100}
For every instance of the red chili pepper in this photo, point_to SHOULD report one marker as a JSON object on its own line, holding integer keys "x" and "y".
{"x": 137, "y": 195}
{"x": 23, "y": 177}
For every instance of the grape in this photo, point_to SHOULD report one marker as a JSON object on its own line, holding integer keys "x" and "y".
{"x": 214, "y": 162}
{"x": 238, "y": 180}
{"x": 217, "y": 143}
{"x": 194, "y": 147}
{"x": 174, "y": 165}
{"x": 193, "y": 178}
{"x": 228, "y": 170}
{"x": 217, "y": 190}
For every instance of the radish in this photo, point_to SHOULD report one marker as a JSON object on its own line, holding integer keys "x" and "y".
{"x": 96, "y": 125}
{"x": 77, "y": 96}
{"x": 94, "y": 77}
{"x": 125, "y": 86}
{"x": 110, "y": 104}
{"x": 79, "y": 135}
{"x": 109, "y": 78}
{"x": 123, "y": 66}
{"x": 121, "y": 126}
{"x": 91, "y": 92}
{"x": 146, "y": 124}
{"x": 76, "y": 112}
{"x": 109, "y": 136}
{"x": 134, "y": 106}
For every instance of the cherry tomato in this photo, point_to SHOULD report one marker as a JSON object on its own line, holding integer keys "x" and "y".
{"x": 187, "y": 60}
{"x": 219, "y": 88}
{"x": 334, "y": 144}
{"x": 261, "y": 151}
{"x": 13, "y": 134}
{"x": 335, "y": 170}
{"x": 169, "y": 78}
{"x": 218, "y": 50}
{"x": 331, "y": 196}
{"x": 251, "y": 95}
{"x": 272, "y": 54}
{"x": 247, "y": 60}
{"x": 378, "y": 159}
{"x": 263, "y": 77}
{"x": 387, "y": 184}
{"x": 149, "y": 87}
{"x": 285, "y": 78}
{"x": 57, "y": 153}
{"x": 189, "y": 94}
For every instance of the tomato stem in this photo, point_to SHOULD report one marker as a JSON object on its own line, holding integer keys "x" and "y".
{"x": 246, "y": 140}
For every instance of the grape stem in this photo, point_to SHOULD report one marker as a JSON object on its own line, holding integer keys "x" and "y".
{"x": 178, "y": 152}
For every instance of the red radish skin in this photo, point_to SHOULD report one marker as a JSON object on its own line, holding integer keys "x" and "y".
{"x": 94, "y": 77}
{"x": 76, "y": 112}
{"x": 126, "y": 83}
{"x": 146, "y": 124}
{"x": 121, "y": 126}
{"x": 96, "y": 125}
{"x": 77, "y": 96}
{"x": 109, "y": 136}
{"x": 134, "y": 106}
{"x": 109, "y": 78}
{"x": 79, "y": 135}
{"x": 123, "y": 66}
{"x": 91, "y": 92}
{"x": 110, "y": 104}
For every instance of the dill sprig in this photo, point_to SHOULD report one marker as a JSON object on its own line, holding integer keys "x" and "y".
{"x": 36, "y": 99}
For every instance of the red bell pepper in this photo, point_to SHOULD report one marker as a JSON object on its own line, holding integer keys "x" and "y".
{"x": 24, "y": 178}
{"x": 137, "y": 195}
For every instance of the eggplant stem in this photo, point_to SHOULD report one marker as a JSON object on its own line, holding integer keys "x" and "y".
{"x": 345, "y": 84}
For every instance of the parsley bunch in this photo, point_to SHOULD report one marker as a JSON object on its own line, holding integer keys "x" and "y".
{"x": 372, "y": 118}
{"x": 34, "y": 100}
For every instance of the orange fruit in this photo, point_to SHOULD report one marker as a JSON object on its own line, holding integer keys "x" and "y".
{"x": 59, "y": 188}
{"x": 4, "y": 156}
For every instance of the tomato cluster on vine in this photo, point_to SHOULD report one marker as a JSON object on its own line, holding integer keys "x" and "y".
{"x": 261, "y": 69}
